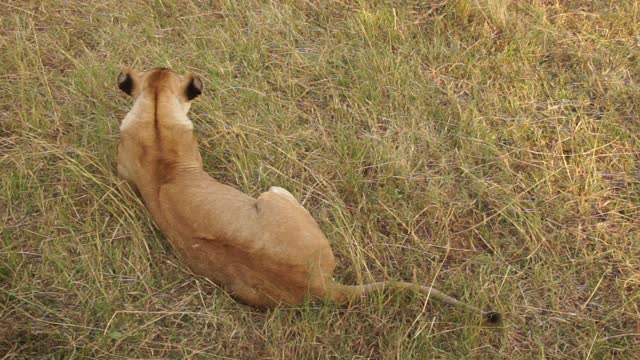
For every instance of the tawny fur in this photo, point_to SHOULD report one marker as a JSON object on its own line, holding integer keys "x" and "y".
{"x": 265, "y": 251}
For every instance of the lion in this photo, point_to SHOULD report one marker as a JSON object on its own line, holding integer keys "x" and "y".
{"x": 265, "y": 251}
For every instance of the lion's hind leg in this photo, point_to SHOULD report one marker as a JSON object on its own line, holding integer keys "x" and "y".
{"x": 282, "y": 191}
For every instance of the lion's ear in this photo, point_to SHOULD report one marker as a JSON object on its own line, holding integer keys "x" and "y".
{"x": 194, "y": 88}
{"x": 125, "y": 82}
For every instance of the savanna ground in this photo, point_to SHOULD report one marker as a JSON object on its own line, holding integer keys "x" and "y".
{"x": 488, "y": 147}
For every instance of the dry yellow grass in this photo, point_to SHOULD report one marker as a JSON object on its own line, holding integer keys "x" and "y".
{"x": 488, "y": 147}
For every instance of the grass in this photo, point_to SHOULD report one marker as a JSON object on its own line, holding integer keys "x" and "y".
{"x": 489, "y": 147}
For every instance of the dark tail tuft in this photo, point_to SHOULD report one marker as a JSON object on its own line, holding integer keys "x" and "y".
{"x": 493, "y": 317}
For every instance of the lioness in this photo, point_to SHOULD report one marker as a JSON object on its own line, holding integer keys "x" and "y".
{"x": 265, "y": 251}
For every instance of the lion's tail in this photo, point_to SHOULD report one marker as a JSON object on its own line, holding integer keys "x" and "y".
{"x": 347, "y": 293}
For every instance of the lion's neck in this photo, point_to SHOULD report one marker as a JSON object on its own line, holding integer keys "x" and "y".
{"x": 165, "y": 134}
